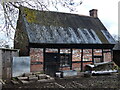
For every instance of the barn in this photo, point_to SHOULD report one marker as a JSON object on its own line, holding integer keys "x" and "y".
{"x": 62, "y": 41}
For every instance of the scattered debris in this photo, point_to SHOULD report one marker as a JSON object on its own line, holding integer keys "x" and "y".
{"x": 22, "y": 78}
{"x": 87, "y": 74}
{"x": 32, "y": 77}
{"x": 66, "y": 73}
{"x": 25, "y": 82}
{"x": 58, "y": 74}
{"x": 93, "y": 82}
{"x": 42, "y": 76}
{"x": 27, "y": 74}
{"x": 100, "y": 68}
{"x": 14, "y": 82}
{"x": 104, "y": 72}
{"x": 60, "y": 85}
{"x": 46, "y": 80}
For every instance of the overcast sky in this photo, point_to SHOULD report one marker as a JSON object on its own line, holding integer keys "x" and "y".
{"x": 107, "y": 12}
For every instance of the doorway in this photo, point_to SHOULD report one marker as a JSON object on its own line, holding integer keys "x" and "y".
{"x": 52, "y": 63}
{"x": 56, "y": 59}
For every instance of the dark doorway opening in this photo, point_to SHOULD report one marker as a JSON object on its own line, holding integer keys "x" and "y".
{"x": 65, "y": 60}
{"x": 56, "y": 60}
{"x": 52, "y": 63}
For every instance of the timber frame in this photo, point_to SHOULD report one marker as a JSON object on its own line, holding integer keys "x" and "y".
{"x": 104, "y": 48}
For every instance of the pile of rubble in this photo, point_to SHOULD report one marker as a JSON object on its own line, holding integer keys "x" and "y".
{"x": 27, "y": 78}
{"x": 100, "y": 69}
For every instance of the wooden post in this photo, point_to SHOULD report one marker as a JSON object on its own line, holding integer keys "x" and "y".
{"x": 102, "y": 56}
{"x": 71, "y": 59}
{"x": 93, "y": 56}
{"x": 59, "y": 57}
{"x": 59, "y": 50}
{"x": 44, "y": 49}
{"x": 111, "y": 54}
{"x": 82, "y": 60}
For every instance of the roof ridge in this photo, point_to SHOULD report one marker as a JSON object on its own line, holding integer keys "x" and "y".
{"x": 69, "y": 13}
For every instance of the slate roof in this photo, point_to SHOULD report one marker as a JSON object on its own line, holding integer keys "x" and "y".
{"x": 64, "y": 28}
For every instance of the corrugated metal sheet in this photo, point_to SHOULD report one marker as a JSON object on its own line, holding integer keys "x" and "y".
{"x": 20, "y": 65}
{"x": 63, "y": 28}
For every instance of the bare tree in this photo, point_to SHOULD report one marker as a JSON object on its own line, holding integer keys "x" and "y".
{"x": 3, "y": 43}
{"x": 11, "y": 10}
{"x": 115, "y": 37}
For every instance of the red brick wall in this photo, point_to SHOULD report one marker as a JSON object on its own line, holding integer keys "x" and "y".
{"x": 36, "y": 55}
{"x": 36, "y": 68}
{"x": 107, "y": 57}
{"x": 76, "y": 66}
{"x": 87, "y": 56}
{"x": 65, "y": 68}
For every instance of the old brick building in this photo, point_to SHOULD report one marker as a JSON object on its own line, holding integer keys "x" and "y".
{"x": 59, "y": 41}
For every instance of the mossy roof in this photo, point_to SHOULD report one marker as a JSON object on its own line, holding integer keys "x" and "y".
{"x": 63, "y": 28}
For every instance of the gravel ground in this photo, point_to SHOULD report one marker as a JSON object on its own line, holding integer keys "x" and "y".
{"x": 102, "y": 81}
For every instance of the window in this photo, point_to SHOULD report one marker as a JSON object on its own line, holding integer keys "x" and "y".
{"x": 36, "y": 54}
{"x": 87, "y": 54}
{"x": 107, "y": 55}
{"x": 64, "y": 60}
{"x": 65, "y": 57}
{"x": 76, "y": 55}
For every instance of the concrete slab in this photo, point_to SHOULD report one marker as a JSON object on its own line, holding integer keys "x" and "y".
{"x": 22, "y": 78}
{"x": 32, "y": 78}
{"x": 42, "y": 76}
{"x": 68, "y": 73}
{"x": 48, "y": 76}
{"x": 19, "y": 62}
{"x": 27, "y": 74}
{"x": 25, "y": 82}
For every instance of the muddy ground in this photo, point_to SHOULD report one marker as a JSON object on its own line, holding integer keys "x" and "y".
{"x": 101, "y": 81}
